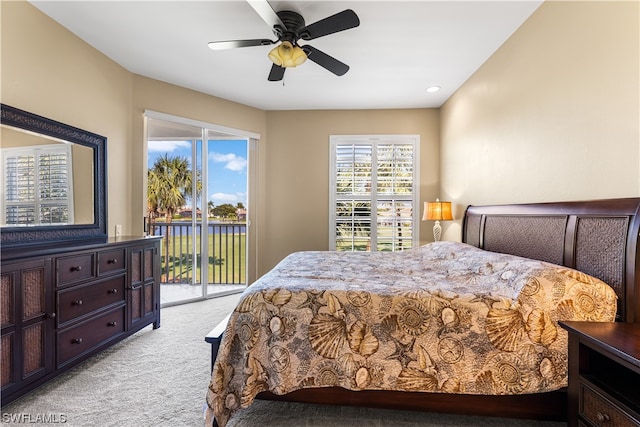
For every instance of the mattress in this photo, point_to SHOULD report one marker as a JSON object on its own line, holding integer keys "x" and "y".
{"x": 445, "y": 317}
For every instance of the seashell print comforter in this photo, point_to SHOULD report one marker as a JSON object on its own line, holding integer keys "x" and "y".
{"x": 445, "y": 317}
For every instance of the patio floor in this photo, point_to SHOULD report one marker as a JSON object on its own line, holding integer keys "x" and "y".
{"x": 174, "y": 293}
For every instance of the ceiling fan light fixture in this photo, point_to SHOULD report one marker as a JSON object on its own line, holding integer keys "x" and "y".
{"x": 287, "y": 55}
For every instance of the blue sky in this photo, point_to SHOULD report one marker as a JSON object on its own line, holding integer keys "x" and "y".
{"x": 227, "y": 166}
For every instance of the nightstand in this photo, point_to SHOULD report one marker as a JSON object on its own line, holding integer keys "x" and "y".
{"x": 604, "y": 374}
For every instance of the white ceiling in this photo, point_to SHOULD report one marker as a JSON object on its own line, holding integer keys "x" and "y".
{"x": 399, "y": 49}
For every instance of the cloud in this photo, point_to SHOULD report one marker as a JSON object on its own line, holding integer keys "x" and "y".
{"x": 233, "y": 162}
{"x": 231, "y": 198}
{"x": 166, "y": 146}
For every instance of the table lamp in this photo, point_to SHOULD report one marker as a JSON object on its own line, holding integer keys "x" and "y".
{"x": 437, "y": 211}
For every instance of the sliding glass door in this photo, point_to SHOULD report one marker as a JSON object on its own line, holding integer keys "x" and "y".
{"x": 197, "y": 200}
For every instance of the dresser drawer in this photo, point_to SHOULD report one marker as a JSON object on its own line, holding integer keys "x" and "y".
{"x": 77, "y": 340}
{"x": 598, "y": 410}
{"x": 111, "y": 261}
{"x": 74, "y": 268}
{"x": 80, "y": 300}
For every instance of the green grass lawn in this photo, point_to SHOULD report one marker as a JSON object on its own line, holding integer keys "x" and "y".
{"x": 225, "y": 265}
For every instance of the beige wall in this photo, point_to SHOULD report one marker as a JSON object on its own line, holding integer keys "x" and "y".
{"x": 552, "y": 115}
{"x": 298, "y": 169}
{"x": 48, "y": 71}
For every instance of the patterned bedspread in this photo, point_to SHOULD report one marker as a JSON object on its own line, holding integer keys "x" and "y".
{"x": 445, "y": 317}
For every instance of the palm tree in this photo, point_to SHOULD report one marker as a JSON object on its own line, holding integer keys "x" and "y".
{"x": 169, "y": 182}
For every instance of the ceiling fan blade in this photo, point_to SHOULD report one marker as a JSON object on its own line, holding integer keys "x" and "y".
{"x": 339, "y": 22}
{"x": 268, "y": 15}
{"x": 276, "y": 74}
{"x": 232, "y": 44}
{"x": 329, "y": 62}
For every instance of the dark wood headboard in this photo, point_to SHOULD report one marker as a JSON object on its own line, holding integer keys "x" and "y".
{"x": 597, "y": 237}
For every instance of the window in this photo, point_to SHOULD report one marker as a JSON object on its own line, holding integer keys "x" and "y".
{"x": 374, "y": 193}
{"x": 37, "y": 185}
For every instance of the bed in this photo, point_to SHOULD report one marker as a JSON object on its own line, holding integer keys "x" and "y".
{"x": 466, "y": 327}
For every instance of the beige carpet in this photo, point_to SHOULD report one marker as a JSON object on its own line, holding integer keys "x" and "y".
{"x": 160, "y": 377}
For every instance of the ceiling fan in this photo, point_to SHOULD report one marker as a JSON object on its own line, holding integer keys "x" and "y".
{"x": 289, "y": 28}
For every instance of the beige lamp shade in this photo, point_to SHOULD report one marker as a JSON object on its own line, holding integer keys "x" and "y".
{"x": 437, "y": 211}
{"x": 287, "y": 55}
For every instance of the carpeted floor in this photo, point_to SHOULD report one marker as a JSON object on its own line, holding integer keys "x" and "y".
{"x": 160, "y": 377}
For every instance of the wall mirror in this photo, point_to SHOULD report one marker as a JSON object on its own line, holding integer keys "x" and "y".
{"x": 53, "y": 181}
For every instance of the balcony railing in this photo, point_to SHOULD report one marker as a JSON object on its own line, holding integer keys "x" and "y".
{"x": 226, "y": 252}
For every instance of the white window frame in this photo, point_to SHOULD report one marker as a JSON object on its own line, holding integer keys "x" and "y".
{"x": 35, "y": 151}
{"x": 374, "y": 140}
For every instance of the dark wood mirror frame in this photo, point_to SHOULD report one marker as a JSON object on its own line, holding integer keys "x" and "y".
{"x": 41, "y": 236}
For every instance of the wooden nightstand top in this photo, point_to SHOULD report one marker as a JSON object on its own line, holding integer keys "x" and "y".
{"x": 617, "y": 338}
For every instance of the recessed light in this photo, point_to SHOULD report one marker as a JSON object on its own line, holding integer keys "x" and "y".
{"x": 432, "y": 89}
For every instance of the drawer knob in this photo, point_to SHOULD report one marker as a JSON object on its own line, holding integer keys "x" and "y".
{"x": 77, "y": 341}
{"x": 113, "y": 291}
{"x": 76, "y": 268}
{"x": 112, "y": 261}
{"x": 602, "y": 417}
{"x": 77, "y": 302}
{"x": 112, "y": 324}
{"x": 51, "y": 316}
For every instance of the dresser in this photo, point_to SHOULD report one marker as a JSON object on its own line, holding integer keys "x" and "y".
{"x": 604, "y": 374}
{"x": 62, "y": 305}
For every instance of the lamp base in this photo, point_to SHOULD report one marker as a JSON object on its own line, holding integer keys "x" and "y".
{"x": 437, "y": 231}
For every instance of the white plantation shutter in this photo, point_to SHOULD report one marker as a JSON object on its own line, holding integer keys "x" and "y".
{"x": 37, "y": 185}
{"x": 353, "y": 168}
{"x": 373, "y": 196}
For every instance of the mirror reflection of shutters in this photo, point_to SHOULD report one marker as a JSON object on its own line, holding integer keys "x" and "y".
{"x": 37, "y": 185}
